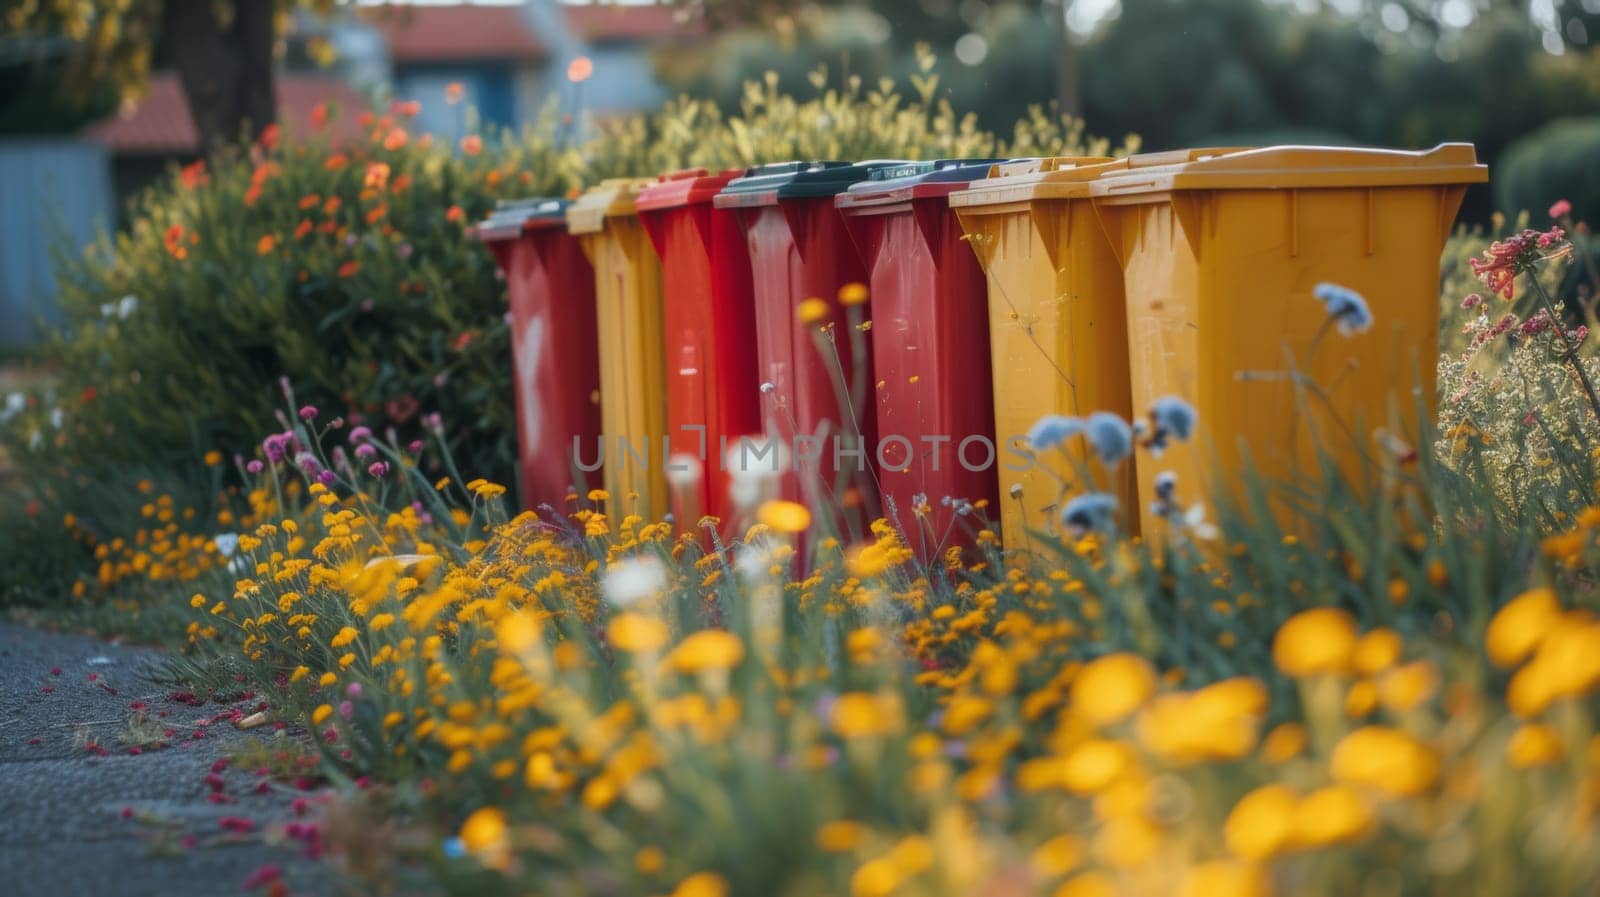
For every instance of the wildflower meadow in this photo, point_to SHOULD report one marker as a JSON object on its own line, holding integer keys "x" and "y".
{"x": 276, "y": 437}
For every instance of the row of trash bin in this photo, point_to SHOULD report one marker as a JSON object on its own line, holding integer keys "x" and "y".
{"x": 683, "y": 309}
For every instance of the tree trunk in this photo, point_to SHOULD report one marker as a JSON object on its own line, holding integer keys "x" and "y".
{"x": 1069, "y": 91}
{"x": 225, "y": 66}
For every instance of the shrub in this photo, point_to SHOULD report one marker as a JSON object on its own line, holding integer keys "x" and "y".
{"x": 1559, "y": 161}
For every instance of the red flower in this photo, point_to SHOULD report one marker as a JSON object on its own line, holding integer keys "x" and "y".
{"x": 269, "y": 137}
{"x": 88, "y": 394}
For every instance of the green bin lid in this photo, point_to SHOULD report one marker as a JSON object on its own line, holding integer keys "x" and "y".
{"x": 511, "y": 217}
{"x": 767, "y": 184}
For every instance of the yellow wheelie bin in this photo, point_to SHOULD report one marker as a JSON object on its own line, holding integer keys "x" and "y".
{"x": 627, "y": 292}
{"x": 1056, "y": 335}
{"x": 1222, "y": 256}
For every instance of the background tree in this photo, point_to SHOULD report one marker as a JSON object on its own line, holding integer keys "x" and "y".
{"x": 222, "y": 50}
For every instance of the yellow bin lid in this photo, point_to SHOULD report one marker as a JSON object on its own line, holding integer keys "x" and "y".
{"x": 1301, "y": 167}
{"x": 1064, "y": 177}
{"x": 608, "y": 199}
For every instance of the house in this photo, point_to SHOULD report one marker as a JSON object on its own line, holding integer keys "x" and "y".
{"x": 510, "y": 59}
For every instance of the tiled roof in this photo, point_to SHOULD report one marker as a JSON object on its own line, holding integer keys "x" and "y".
{"x": 469, "y": 32}
{"x": 160, "y": 124}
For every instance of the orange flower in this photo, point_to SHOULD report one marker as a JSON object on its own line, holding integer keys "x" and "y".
{"x": 302, "y": 229}
{"x": 336, "y": 162}
{"x": 349, "y": 268}
{"x": 400, "y": 184}
{"x": 253, "y": 194}
{"x": 579, "y": 69}
{"x": 193, "y": 175}
{"x": 269, "y": 137}
{"x": 377, "y": 213}
{"x": 377, "y": 176}
{"x": 319, "y": 114}
{"x": 406, "y": 108}
{"x": 395, "y": 140}
{"x": 454, "y": 213}
{"x": 332, "y": 205}
{"x": 266, "y": 244}
{"x": 453, "y": 92}
{"x": 174, "y": 241}
{"x": 493, "y": 177}
{"x": 472, "y": 144}
{"x": 309, "y": 201}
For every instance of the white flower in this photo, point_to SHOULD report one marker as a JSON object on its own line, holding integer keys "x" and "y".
{"x": 1195, "y": 520}
{"x": 684, "y": 470}
{"x": 227, "y": 544}
{"x": 57, "y": 417}
{"x": 127, "y": 305}
{"x": 35, "y": 439}
{"x": 630, "y": 580}
{"x": 753, "y": 467}
{"x": 16, "y": 403}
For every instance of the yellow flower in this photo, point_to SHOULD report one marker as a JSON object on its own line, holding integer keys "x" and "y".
{"x": 1361, "y": 699}
{"x": 300, "y": 672}
{"x": 702, "y": 884}
{"x": 1261, "y": 823}
{"x": 853, "y": 293}
{"x": 213, "y": 458}
{"x": 197, "y": 601}
{"x": 1331, "y": 815}
{"x": 1376, "y": 651}
{"x": 650, "y": 860}
{"x": 1405, "y": 687}
{"x": 860, "y": 714}
{"x": 1110, "y": 688}
{"x": 1519, "y": 626}
{"x": 636, "y": 633}
{"x": 321, "y": 714}
{"x": 708, "y": 649}
{"x": 811, "y": 310}
{"x": 1386, "y": 759}
{"x": 380, "y": 622}
{"x": 784, "y": 516}
{"x": 345, "y": 636}
{"x": 1126, "y": 842}
{"x": 1058, "y": 856}
{"x": 327, "y": 679}
{"x": 484, "y": 832}
{"x": 1535, "y": 745}
{"x": 1224, "y": 878}
{"x": 840, "y": 836}
{"x": 1089, "y": 884}
{"x": 1315, "y": 641}
{"x": 516, "y": 632}
{"x": 1095, "y": 765}
{"x": 1284, "y": 743}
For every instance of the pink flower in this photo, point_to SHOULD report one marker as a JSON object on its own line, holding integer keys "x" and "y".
{"x": 1561, "y": 209}
{"x": 266, "y": 874}
{"x": 1473, "y": 300}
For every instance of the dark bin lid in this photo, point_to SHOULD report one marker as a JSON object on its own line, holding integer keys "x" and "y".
{"x": 766, "y": 184}
{"x": 915, "y": 180}
{"x": 513, "y": 216}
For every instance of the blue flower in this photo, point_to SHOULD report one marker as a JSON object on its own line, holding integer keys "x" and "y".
{"x": 1109, "y": 436}
{"x": 1173, "y": 416}
{"x": 1052, "y": 430}
{"x": 1092, "y": 511}
{"x": 1345, "y": 306}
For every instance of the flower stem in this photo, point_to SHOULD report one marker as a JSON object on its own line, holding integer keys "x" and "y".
{"x": 1571, "y": 353}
